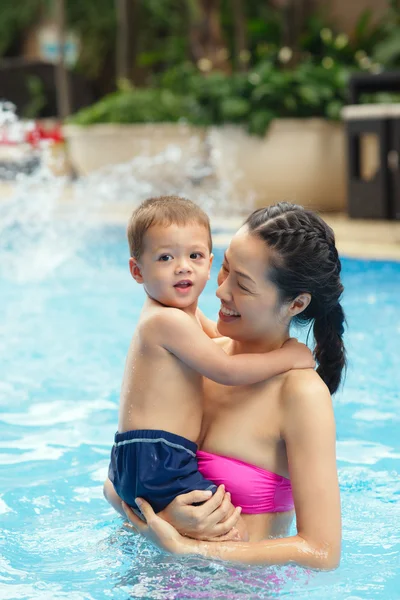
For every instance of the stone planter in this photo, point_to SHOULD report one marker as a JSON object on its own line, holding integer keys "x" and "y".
{"x": 92, "y": 147}
{"x": 298, "y": 160}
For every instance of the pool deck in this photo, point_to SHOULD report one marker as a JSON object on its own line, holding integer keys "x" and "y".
{"x": 354, "y": 237}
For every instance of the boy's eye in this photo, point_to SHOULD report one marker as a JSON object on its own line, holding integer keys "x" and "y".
{"x": 165, "y": 258}
{"x": 195, "y": 255}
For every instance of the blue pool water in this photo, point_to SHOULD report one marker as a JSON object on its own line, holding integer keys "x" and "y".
{"x": 62, "y": 350}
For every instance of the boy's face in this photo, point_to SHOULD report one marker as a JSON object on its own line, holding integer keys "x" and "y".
{"x": 175, "y": 264}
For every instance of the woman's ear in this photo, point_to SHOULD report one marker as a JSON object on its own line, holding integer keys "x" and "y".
{"x": 299, "y": 304}
{"x": 135, "y": 270}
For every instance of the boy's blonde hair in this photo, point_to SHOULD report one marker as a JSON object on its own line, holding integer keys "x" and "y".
{"x": 163, "y": 210}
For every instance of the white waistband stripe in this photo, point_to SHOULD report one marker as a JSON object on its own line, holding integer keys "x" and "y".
{"x": 154, "y": 440}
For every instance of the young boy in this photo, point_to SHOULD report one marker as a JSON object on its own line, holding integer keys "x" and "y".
{"x": 154, "y": 454}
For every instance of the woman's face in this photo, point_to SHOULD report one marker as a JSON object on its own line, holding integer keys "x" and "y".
{"x": 250, "y": 308}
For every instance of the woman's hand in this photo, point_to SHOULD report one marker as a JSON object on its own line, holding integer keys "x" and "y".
{"x": 214, "y": 520}
{"x": 155, "y": 529}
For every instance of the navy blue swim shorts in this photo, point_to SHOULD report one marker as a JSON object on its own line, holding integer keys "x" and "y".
{"x": 155, "y": 465}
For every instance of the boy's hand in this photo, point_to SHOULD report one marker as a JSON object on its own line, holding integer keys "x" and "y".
{"x": 301, "y": 355}
{"x": 216, "y": 518}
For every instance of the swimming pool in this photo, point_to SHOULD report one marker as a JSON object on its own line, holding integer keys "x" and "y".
{"x": 62, "y": 351}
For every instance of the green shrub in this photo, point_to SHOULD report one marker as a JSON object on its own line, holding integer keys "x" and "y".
{"x": 252, "y": 99}
{"x": 142, "y": 106}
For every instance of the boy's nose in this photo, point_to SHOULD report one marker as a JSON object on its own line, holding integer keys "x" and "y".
{"x": 183, "y": 267}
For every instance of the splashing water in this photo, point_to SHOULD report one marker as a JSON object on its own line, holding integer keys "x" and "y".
{"x": 10, "y": 126}
{"x": 46, "y": 219}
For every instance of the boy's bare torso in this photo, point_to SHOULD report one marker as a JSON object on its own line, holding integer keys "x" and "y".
{"x": 158, "y": 390}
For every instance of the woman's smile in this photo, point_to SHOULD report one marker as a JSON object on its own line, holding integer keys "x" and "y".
{"x": 228, "y": 315}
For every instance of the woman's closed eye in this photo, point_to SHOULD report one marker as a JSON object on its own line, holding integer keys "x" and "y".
{"x": 225, "y": 270}
{"x": 243, "y": 288}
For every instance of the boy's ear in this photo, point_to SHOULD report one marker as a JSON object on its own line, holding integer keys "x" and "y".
{"x": 135, "y": 270}
{"x": 211, "y": 262}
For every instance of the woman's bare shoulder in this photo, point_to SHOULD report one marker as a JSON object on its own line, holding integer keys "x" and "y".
{"x": 305, "y": 405}
{"x": 303, "y": 385}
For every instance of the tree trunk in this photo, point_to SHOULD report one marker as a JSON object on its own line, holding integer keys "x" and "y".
{"x": 295, "y": 15}
{"x": 207, "y": 45}
{"x": 126, "y": 39}
{"x": 62, "y": 80}
{"x": 241, "y": 50}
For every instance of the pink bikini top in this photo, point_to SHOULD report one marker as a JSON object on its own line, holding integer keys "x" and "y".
{"x": 254, "y": 489}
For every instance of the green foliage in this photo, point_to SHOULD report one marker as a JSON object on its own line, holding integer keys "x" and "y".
{"x": 141, "y": 106}
{"x": 220, "y": 97}
{"x": 316, "y": 87}
{"x": 163, "y": 40}
{"x": 95, "y": 22}
{"x": 264, "y": 93}
{"x": 252, "y": 99}
{"x": 387, "y": 50}
{"x": 372, "y": 46}
{"x": 321, "y": 40}
{"x": 37, "y": 99}
{"x": 163, "y": 37}
{"x": 16, "y": 17}
{"x": 307, "y": 91}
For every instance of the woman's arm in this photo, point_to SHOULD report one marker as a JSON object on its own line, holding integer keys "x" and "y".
{"x": 308, "y": 429}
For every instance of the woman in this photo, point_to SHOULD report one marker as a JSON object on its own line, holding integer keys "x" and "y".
{"x": 281, "y": 267}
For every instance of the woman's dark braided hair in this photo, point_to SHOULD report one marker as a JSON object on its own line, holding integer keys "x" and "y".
{"x": 305, "y": 259}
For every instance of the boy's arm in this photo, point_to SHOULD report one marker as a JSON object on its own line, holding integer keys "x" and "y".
{"x": 209, "y": 327}
{"x": 177, "y": 332}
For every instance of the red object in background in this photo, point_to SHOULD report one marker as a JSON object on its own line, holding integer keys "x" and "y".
{"x": 34, "y": 136}
{"x": 38, "y": 134}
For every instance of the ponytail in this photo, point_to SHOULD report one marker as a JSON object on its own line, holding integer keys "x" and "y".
{"x": 329, "y": 350}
